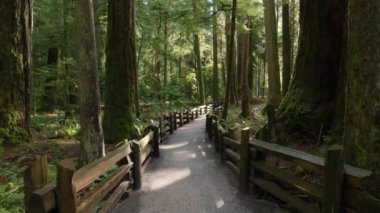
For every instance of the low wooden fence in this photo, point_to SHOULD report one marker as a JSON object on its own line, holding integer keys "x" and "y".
{"x": 100, "y": 185}
{"x": 343, "y": 188}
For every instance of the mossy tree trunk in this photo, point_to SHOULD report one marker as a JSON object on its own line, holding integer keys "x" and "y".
{"x": 15, "y": 62}
{"x": 362, "y": 116}
{"x": 311, "y": 98}
{"x": 119, "y": 114}
{"x": 92, "y": 141}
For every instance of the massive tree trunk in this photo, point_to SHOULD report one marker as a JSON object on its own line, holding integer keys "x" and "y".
{"x": 215, "y": 73}
{"x": 15, "y": 62}
{"x": 274, "y": 95}
{"x": 362, "y": 117}
{"x": 230, "y": 61}
{"x": 311, "y": 98}
{"x": 286, "y": 47}
{"x": 92, "y": 142}
{"x": 119, "y": 114}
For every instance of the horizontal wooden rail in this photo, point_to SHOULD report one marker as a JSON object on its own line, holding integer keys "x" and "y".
{"x": 248, "y": 160}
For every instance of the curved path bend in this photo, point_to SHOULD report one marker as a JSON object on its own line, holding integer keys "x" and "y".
{"x": 188, "y": 177}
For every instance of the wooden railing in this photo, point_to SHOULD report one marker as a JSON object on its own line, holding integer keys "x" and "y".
{"x": 100, "y": 185}
{"x": 343, "y": 187}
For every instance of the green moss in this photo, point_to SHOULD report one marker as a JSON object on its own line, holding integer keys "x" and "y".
{"x": 11, "y": 129}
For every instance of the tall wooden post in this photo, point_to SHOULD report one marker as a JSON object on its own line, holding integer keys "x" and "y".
{"x": 244, "y": 161}
{"x": 156, "y": 141}
{"x": 137, "y": 172}
{"x": 210, "y": 125}
{"x": 171, "y": 123}
{"x": 332, "y": 191}
{"x": 180, "y": 118}
{"x": 196, "y": 112}
{"x": 188, "y": 116}
{"x": 35, "y": 177}
{"x": 175, "y": 120}
{"x": 66, "y": 194}
{"x": 216, "y": 136}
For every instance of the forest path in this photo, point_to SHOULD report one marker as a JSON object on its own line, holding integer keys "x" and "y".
{"x": 188, "y": 177}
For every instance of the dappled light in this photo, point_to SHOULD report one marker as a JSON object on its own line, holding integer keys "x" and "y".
{"x": 167, "y": 177}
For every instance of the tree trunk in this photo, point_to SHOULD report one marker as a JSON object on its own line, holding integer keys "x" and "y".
{"x": 362, "y": 117}
{"x": 311, "y": 98}
{"x": 15, "y": 62}
{"x": 119, "y": 115}
{"x": 251, "y": 61}
{"x": 244, "y": 80}
{"x": 198, "y": 62}
{"x": 286, "y": 48}
{"x": 92, "y": 142}
{"x": 215, "y": 73}
{"x": 274, "y": 95}
{"x": 230, "y": 61}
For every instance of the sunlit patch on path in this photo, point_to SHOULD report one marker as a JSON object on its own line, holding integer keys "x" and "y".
{"x": 188, "y": 177}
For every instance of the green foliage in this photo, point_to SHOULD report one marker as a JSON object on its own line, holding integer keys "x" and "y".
{"x": 11, "y": 193}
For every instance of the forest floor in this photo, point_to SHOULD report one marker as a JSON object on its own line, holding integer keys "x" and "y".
{"x": 188, "y": 177}
{"x": 53, "y": 136}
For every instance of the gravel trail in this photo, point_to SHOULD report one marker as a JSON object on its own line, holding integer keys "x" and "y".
{"x": 188, "y": 177}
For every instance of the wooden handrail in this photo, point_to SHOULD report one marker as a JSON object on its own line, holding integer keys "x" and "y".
{"x": 89, "y": 173}
{"x": 354, "y": 176}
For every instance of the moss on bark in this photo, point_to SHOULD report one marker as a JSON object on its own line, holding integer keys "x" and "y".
{"x": 362, "y": 116}
{"x": 119, "y": 114}
{"x": 311, "y": 99}
{"x": 15, "y": 32}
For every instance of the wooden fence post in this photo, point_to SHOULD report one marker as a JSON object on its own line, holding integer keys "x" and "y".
{"x": 206, "y": 110}
{"x": 207, "y": 123}
{"x": 171, "y": 123}
{"x": 175, "y": 120}
{"x": 180, "y": 119}
{"x": 216, "y": 136}
{"x": 160, "y": 127}
{"x": 188, "y": 116}
{"x": 137, "y": 172}
{"x": 66, "y": 194}
{"x": 244, "y": 161}
{"x": 196, "y": 112}
{"x": 156, "y": 141}
{"x": 333, "y": 170}
{"x": 210, "y": 124}
{"x": 35, "y": 177}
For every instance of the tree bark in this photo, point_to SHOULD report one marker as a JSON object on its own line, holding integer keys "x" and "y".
{"x": 15, "y": 63}
{"x": 119, "y": 115}
{"x": 92, "y": 141}
{"x": 244, "y": 80}
{"x": 230, "y": 61}
{"x": 198, "y": 62}
{"x": 274, "y": 95}
{"x": 286, "y": 48}
{"x": 215, "y": 73}
{"x": 362, "y": 117}
{"x": 311, "y": 98}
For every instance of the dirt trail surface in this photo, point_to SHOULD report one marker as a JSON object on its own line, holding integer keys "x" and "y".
{"x": 188, "y": 177}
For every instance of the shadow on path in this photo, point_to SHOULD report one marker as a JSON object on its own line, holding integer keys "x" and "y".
{"x": 188, "y": 177}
